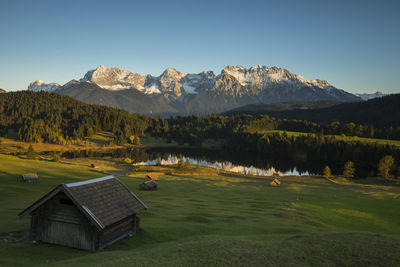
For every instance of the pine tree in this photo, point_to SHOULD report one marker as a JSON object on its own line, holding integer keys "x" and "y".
{"x": 326, "y": 172}
{"x": 385, "y": 165}
{"x": 31, "y": 154}
{"x": 187, "y": 163}
{"x": 349, "y": 170}
{"x": 180, "y": 163}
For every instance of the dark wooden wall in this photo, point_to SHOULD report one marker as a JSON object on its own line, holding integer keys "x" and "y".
{"x": 117, "y": 231}
{"x": 59, "y": 221}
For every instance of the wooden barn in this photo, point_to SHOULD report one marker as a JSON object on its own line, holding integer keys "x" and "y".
{"x": 29, "y": 177}
{"x": 275, "y": 182}
{"x": 94, "y": 166}
{"x": 87, "y": 215}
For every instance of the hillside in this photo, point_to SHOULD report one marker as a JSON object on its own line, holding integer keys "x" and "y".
{"x": 283, "y": 106}
{"x": 53, "y": 118}
{"x": 132, "y": 100}
{"x": 379, "y": 112}
{"x": 2, "y": 91}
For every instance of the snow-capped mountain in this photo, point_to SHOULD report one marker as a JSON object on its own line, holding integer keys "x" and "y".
{"x": 43, "y": 86}
{"x": 171, "y": 83}
{"x": 174, "y": 83}
{"x": 371, "y": 96}
{"x": 204, "y": 92}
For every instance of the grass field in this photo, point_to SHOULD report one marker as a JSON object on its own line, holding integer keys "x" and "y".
{"x": 341, "y": 138}
{"x": 214, "y": 220}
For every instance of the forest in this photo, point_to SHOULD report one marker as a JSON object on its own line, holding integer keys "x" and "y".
{"x": 52, "y": 118}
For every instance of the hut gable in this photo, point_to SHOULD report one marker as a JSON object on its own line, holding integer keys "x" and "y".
{"x": 29, "y": 177}
{"x": 95, "y": 213}
{"x": 275, "y": 182}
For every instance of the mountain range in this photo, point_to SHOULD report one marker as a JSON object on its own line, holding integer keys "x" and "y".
{"x": 176, "y": 92}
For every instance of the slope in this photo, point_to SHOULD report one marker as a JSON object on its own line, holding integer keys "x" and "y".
{"x": 379, "y": 112}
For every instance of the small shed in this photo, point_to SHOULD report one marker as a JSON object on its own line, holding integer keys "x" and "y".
{"x": 86, "y": 215}
{"x": 149, "y": 185}
{"x": 151, "y": 176}
{"x": 29, "y": 177}
{"x": 275, "y": 182}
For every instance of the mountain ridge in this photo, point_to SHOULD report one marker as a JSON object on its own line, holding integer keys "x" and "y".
{"x": 202, "y": 93}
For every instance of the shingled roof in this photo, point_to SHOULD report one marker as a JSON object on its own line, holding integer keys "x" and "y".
{"x": 103, "y": 200}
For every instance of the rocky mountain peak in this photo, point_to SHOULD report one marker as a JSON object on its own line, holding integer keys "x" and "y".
{"x": 320, "y": 83}
{"x": 114, "y": 78}
{"x": 39, "y": 85}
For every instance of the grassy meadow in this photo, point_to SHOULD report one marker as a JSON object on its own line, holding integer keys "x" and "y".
{"x": 216, "y": 220}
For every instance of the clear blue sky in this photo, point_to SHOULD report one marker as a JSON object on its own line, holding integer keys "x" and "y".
{"x": 355, "y": 45}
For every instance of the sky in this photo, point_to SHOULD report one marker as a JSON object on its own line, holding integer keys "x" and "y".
{"x": 354, "y": 45}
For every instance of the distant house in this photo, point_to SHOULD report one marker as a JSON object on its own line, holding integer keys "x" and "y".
{"x": 87, "y": 215}
{"x": 149, "y": 185}
{"x": 29, "y": 177}
{"x": 275, "y": 182}
{"x": 152, "y": 176}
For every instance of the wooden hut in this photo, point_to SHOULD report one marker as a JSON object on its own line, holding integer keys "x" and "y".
{"x": 149, "y": 185}
{"x": 29, "y": 177}
{"x": 275, "y": 182}
{"x": 151, "y": 176}
{"x": 87, "y": 215}
{"x": 94, "y": 166}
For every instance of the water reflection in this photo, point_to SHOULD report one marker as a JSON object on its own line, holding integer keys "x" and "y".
{"x": 221, "y": 165}
{"x": 247, "y": 163}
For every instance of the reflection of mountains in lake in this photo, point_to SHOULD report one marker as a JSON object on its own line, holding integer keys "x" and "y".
{"x": 224, "y": 165}
{"x": 247, "y": 163}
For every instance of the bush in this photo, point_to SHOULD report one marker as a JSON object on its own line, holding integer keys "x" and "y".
{"x": 56, "y": 157}
{"x": 31, "y": 154}
{"x": 326, "y": 172}
{"x": 128, "y": 160}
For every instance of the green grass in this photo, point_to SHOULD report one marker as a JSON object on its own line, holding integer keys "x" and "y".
{"x": 340, "y": 137}
{"x": 219, "y": 221}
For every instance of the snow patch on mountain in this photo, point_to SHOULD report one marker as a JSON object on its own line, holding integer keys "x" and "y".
{"x": 189, "y": 89}
{"x": 366, "y": 96}
{"x": 39, "y": 85}
{"x": 152, "y": 89}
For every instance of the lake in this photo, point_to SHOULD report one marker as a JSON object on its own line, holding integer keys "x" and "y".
{"x": 244, "y": 163}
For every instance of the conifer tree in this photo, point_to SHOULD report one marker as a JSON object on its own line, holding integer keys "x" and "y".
{"x": 326, "y": 172}
{"x": 385, "y": 165}
{"x": 31, "y": 154}
{"x": 349, "y": 170}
